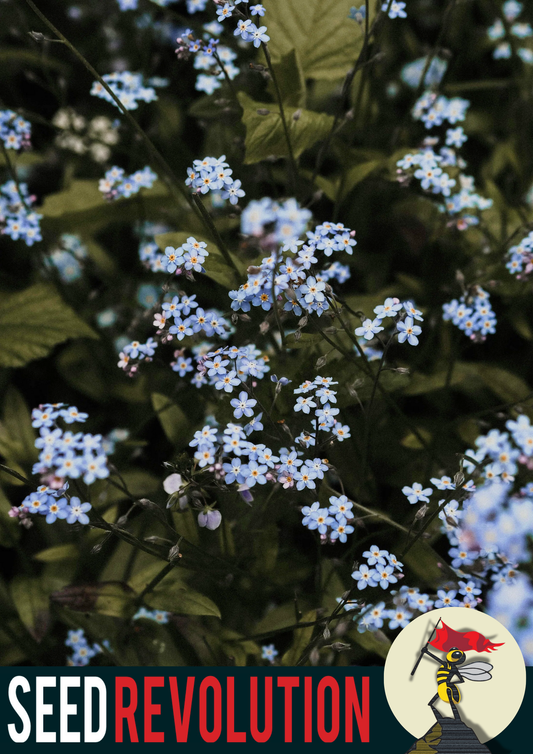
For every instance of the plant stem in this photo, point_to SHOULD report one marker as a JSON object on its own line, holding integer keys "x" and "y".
{"x": 214, "y": 232}
{"x": 171, "y": 179}
{"x": 155, "y": 581}
{"x": 293, "y": 168}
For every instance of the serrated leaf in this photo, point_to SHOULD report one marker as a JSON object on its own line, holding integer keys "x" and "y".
{"x": 172, "y": 418}
{"x": 33, "y": 321}
{"x": 265, "y": 136}
{"x": 327, "y": 41}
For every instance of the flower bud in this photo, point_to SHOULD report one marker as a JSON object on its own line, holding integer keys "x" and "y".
{"x": 210, "y": 519}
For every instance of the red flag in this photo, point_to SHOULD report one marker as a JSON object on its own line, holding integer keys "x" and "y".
{"x": 447, "y": 638}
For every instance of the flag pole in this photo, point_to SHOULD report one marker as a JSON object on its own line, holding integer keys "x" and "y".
{"x": 422, "y": 650}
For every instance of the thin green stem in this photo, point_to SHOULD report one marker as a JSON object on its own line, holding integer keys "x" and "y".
{"x": 293, "y": 167}
{"x": 216, "y": 235}
{"x": 155, "y": 581}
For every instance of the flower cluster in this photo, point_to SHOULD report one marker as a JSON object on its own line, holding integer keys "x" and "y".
{"x": 317, "y": 396}
{"x": 189, "y": 256}
{"x": 82, "y": 651}
{"x": 273, "y": 222}
{"x": 94, "y": 137}
{"x": 433, "y": 109}
{"x": 136, "y": 351}
{"x": 291, "y": 281}
{"x": 246, "y": 29}
{"x": 17, "y": 219}
{"x": 149, "y": 252}
{"x": 116, "y": 184}
{"x": 332, "y": 523}
{"x": 427, "y": 167}
{"x": 472, "y": 313}
{"x": 521, "y": 257}
{"x": 382, "y": 568}
{"x": 128, "y": 88}
{"x": 213, "y": 60}
{"x": 404, "y": 315}
{"x": 66, "y": 454}
{"x": 521, "y": 30}
{"x": 212, "y": 174}
{"x": 15, "y": 131}
{"x": 66, "y": 259}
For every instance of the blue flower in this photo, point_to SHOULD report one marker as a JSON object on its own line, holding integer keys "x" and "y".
{"x": 257, "y": 34}
{"x": 357, "y": 14}
{"x": 243, "y": 405}
{"x": 396, "y": 9}
{"x": 399, "y": 618}
{"x": 369, "y": 329}
{"x": 365, "y": 577}
{"x": 416, "y": 494}
{"x": 77, "y": 511}
{"x": 385, "y": 575}
{"x": 408, "y": 331}
{"x": 340, "y": 528}
{"x": 269, "y": 652}
{"x": 225, "y": 11}
{"x": 446, "y": 598}
{"x": 374, "y": 555}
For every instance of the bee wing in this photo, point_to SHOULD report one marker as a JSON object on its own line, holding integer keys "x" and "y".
{"x": 477, "y": 671}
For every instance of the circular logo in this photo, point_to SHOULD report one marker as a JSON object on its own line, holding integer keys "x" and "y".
{"x": 454, "y": 669}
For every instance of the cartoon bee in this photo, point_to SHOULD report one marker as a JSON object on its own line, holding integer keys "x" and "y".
{"x": 448, "y": 691}
{"x": 455, "y": 644}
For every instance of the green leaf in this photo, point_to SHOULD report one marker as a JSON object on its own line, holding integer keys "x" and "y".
{"x": 177, "y": 597}
{"x": 33, "y": 321}
{"x": 411, "y": 440}
{"x": 326, "y": 40}
{"x": 291, "y": 80}
{"x": 265, "y": 136}
{"x": 9, "y": 527}
{"x": 173, "y": 420}
{"x": 301, "y": 639}
{"x": 508, "y": 386}
{"x": 339, "y": 186}
{"x": 17, "y": 436}
{"x": 31, "y": 602}
{"x": 215, "y": 266}
{"x": 372, "y": 641}
{"x": 58, "y": 553}
{"x": 113, "y": 598}
{"x": 83, "y": 204}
